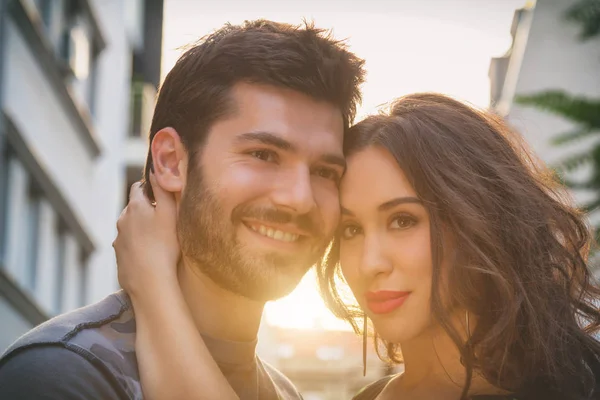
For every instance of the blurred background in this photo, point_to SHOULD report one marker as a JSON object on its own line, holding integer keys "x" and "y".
{"x": 78, "y": 82}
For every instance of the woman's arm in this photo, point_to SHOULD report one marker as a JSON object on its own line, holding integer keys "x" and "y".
{"x": 173, "y": 360}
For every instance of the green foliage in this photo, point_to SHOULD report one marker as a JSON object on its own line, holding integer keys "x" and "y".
{"x": 581, "y": 110}
{"x": 586, "y": 13}
{"x": 571, "y": 136}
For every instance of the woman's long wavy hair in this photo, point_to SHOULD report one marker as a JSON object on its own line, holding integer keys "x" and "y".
{"x": 521, "y": 265}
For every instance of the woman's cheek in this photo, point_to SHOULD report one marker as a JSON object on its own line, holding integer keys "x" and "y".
{"x": 350, "y": 268}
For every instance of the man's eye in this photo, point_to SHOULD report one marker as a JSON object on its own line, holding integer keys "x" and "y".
{"x": 264, "y": 155}
{"x": 350, "y": 231}
{"x": 328, "y": 173}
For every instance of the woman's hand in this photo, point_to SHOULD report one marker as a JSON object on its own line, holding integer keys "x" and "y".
{"x": 173, "y": 360}
{"x": 146, "y": 246}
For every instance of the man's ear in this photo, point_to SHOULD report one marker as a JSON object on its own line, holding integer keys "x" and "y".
{"x": 169, "y": 159}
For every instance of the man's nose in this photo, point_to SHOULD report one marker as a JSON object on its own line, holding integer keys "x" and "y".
{"x": 293, "y": 191}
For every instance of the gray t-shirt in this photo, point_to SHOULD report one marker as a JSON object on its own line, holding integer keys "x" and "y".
{"x": 90, "y": 354}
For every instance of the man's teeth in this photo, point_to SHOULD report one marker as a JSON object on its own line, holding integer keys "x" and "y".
{"x": 274, "y": 233}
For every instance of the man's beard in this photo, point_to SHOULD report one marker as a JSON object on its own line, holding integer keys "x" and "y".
{"x": 208, "y": 237}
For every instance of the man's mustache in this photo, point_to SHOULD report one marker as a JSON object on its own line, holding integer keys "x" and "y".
{"x": 303, "y": 222}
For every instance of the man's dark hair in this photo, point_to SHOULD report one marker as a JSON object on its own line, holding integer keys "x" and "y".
{"x": 303, "y": 58}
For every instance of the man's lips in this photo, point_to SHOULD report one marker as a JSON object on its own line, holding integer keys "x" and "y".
{"x": 280, "y": 233}
{"x": 287, "y": 228}
{"x": 385, "y": 301}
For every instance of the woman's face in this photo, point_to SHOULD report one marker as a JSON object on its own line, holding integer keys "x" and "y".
{"x": 385, "y": 251}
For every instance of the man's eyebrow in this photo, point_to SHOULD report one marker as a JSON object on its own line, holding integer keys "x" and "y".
{"x": 274, "y": 140}
{"x": 345, "y": 211}
{"x": 266, "y": 138}
{"x": 334, "y": 159}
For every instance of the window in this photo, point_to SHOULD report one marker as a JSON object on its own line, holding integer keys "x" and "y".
{"x": 71, "y": 273}
{"x": 143, "y": 100}
{"x": 31, "y": 237}
{"x": 22, "y": 226}
{"x": 16, "y": 193}
{"x": 38, "y": 243}
{"x": 83, "y": 279}
{"x": 45, "y": 10}
{"x": 78, "y": 51}
{"x": 60, "y": 268}
{"x": 70, "y": 33}
{"x": 3, "y": 203}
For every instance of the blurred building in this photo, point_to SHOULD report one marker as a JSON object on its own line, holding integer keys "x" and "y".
{"x": 70, "y": 73}
{"x": 144, "y": 89}
{"x": 323, "y": 364}
{"x": 546, "y": 54}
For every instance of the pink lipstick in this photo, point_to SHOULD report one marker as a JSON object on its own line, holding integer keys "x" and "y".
{"x": 385, "y": 301}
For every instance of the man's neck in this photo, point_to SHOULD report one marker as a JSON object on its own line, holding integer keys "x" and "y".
{"x": 217, "y": 312}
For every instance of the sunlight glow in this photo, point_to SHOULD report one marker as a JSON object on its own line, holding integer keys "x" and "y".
{"x": 303, "y": 309}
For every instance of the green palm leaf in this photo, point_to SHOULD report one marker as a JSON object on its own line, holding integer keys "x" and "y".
{"x": 591, "y": 206}
{"x": 573, "y": 136}
{"x": 578, "y": 109}
{"x": 587, "y": 14}
{"x": 573, "y": 162}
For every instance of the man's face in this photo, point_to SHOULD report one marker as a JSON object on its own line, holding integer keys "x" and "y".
{"x": 261, "y": 200}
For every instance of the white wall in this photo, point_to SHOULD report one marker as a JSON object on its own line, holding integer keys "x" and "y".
{"x": 72, "y": 275}
{"x": 47, "y": 258}
{"x": 15, "y": 227}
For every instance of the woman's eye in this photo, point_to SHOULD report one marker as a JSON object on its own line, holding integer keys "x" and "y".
{"x": 350, "y": 231}
{"x": 402, "y": 222}
{"x": 264, "y": 155}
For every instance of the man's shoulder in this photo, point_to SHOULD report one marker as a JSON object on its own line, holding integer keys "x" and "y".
{"x": 54, "y": 372}
{"x": 282, "y": 383}
{"x": 103, "y": 333}
{"x": 66, "y": 327}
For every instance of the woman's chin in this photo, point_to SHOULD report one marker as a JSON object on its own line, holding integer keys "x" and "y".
{"x": 397, "y": 332}
{"x": 400, "y": 329}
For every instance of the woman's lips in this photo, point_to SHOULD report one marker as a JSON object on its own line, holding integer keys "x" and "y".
{"x": 385, "y": 301}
